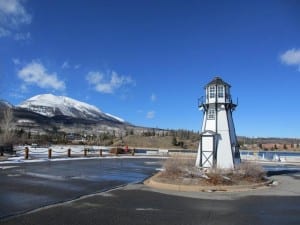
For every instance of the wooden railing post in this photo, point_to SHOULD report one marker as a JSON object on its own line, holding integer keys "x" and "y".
{"x": 49, "y": 153}
{"x": 26, "y": 153}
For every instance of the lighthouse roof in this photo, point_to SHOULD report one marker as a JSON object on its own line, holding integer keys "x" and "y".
{"x": 217, "y": 81}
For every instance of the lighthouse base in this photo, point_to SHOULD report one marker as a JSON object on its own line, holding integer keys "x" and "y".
{"x": 215, "y": 151}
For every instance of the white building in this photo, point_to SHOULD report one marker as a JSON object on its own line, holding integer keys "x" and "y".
{"x": 218, "y": 147}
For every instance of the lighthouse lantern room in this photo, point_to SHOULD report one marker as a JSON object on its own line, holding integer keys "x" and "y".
{"x": 218, "y": 147}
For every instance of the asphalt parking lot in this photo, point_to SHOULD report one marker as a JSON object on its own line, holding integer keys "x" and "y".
{"x": 120, "y": 198}
{"x": 138, "y": 205}
{"x": 27, "y": 186}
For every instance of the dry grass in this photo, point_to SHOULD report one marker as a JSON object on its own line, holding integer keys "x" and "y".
{"x": 251, "y": 171}
{"x": 120, "y": 151}
{"x": 219, "y": 177}
{"x": 154, "y": 142}
{"x": 178, "y": 168}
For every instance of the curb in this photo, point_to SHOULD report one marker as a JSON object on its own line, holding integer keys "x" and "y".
{"x": 151, "y": 182}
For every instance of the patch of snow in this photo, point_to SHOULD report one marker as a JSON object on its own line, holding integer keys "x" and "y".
{"x": 7, "y": 167}
{"x": 146, "y": 209}
{"x": 25, "y": 121}
{"x": 46, "y": 176}
{"x": 115, "y": 117}
{"x": 20, "y": 159}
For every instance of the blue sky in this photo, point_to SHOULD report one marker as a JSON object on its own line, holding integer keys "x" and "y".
{"x": 147, "y": 61}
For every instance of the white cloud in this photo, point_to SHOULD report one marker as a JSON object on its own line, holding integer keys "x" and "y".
{"x": 77, "y": 66}
{"x": 108, "y": 82}
{"x": 65, "y": 65}
{"x": 12, "y": 15}
{"x": 23, "y": 88}
{"x": 4, "y": 32}
{"x": 35, "y": 73}
{"x": 153, "y": 98}
{"x": 291, "y": 57}
{"x": 150, "y": 115}
{"x": 16, "y": 61}
{"x": 22, "y": 36}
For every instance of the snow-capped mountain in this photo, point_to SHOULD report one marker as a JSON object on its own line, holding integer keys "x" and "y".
{"x": 5, "y": 104}
{"x": 51, "y": 105}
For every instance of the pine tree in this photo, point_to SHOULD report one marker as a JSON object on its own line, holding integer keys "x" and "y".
{"x": 174, "y": 141}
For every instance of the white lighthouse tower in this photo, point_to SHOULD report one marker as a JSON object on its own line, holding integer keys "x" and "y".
{"x": 218, "y": 147}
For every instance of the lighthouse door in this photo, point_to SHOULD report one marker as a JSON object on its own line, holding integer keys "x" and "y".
{"x": 207, "y": 151}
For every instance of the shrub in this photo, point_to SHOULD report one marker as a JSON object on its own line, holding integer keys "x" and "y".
{"x": 117, "y": 151}
{"x": 177, "y": 166}
{"x": 251, "y": 171}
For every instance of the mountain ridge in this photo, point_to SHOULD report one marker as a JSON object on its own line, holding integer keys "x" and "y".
{"x": 44, "y": 114}
{"x": 50, "y": 105}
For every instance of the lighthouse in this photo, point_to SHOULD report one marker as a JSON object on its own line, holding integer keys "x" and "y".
{"x": 218, "y": 147}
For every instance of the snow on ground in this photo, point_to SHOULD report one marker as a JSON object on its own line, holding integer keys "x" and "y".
{"x": 60, "y": 153}
{"x": 21, "y": 159}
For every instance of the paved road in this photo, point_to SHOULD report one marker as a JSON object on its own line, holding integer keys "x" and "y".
{"x": 32, "y": 185}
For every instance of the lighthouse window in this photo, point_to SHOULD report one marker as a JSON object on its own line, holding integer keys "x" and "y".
{"x": 212, "y": 91}
{"x": 220, "y": 92}
{"x": 211, "y": 114}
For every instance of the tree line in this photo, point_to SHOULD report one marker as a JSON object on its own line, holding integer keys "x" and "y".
{"x": 10, "y": 134}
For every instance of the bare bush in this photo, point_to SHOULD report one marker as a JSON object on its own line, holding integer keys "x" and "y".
{"x": 177, "y": 166}
{"x": 7, "y": 127}
{"x": 243, "y": 173}
{"x": 117, "y": 151}
{"x": 251, "y": 171}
